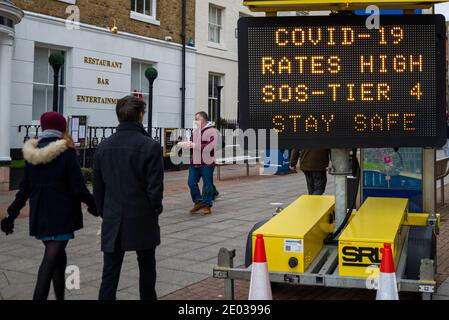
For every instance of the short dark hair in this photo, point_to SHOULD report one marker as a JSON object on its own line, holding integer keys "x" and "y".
{"x": 203, "y": 115}
{"x": 129, "y": 108}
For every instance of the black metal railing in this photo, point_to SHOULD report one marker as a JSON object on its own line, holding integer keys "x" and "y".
{"x": 31, "y": 131}
{"x": 96, "y": 134}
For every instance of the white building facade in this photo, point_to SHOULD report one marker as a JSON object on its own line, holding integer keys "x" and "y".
{"x": 217, "y": 55}
{"x": 10, "y": 16}
{"x": 100, "y": 67}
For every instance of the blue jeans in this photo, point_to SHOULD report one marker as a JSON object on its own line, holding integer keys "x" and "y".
{"x": 195, "y": 174}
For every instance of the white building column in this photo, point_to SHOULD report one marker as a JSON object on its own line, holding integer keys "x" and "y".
{"x": 6, "y": 51}
{"x": 10, "y": 15}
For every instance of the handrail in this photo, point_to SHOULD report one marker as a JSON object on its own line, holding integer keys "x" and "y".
{"x": 441, "y": 171}
{"x": 441, "y": 165}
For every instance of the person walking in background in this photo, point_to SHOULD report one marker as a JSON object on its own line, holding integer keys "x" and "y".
{"x": 202, "y": 164}
{"x": 446, "y": 146}
{"x": 55, "y": 186}
{"x": 128, "y": 189}
{"x": 313, "y": 162}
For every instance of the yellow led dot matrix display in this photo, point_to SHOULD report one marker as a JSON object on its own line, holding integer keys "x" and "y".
{"x": 329, "y": 82}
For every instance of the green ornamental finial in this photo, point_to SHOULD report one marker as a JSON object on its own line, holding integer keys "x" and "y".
{"x": 56, "y": 58}
{"x": 151, "y": 73}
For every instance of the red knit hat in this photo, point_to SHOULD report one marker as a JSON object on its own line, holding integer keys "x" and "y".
{"x": 54, "y": 121}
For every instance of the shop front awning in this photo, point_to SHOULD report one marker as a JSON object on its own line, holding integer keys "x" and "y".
{"x": 310, "y": 5}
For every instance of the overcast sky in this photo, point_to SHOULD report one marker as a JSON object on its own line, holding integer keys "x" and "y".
{"x": 443, "y": 9}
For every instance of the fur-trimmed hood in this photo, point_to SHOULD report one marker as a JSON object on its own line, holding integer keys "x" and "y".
{"x": 47, "y": 154}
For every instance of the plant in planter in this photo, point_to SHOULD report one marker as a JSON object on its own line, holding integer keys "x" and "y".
{"x": 17, "y": 172}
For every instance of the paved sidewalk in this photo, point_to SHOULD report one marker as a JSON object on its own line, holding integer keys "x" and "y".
{"x": 190, "y": 243}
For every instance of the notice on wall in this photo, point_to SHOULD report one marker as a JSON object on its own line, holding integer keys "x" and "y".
{"x": 78, "y": 127}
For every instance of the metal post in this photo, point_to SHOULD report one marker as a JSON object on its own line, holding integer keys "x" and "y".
{"x": 429, "y": 183}
{"x": 427, "y": 273}
{"x": 55, "y": 89}
{"x": 226, "y": 260}
{"x": 218, "y": 115}
{"x": 150, "y": 107}
{"x": 341, "y": 168}
{"x": 56, "y": 60}
{"x": 151, "y": 75}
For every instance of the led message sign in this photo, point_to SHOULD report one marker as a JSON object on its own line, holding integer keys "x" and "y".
{"x": 330, "y": 82}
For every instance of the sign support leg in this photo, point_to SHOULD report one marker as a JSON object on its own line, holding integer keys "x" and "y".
{"x": 341, "y": 168}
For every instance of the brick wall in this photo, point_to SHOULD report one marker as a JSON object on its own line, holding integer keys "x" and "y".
{"x": 100, "y": 12}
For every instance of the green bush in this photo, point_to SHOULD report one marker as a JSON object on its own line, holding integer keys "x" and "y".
{"x": 87, "y": 173}
{"x": 56, "y": 58}
{"x": 17, "y": 164}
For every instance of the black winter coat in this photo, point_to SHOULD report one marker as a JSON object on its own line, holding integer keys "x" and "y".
{"x": 54, "y": 185}
{"x": 128, "y": 188}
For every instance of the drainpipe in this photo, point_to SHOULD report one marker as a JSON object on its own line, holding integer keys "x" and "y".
{"x": 183, "y": 88}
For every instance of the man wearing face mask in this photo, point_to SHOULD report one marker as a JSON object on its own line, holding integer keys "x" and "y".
{"x": 202, "y": 163}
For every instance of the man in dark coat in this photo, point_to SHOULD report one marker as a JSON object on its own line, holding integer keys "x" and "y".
{"x": 128, "y": 187}
{"x": 313, "y": 162}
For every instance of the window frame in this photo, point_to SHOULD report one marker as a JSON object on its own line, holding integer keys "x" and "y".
{"x": 145, "y": 92}
{"x": 142, "y": 16}
{"x": 217, "y": 26}
{"x": 49, "y": 85}
{"x": 68, "y": 1}
{"x": 212, "y": 99}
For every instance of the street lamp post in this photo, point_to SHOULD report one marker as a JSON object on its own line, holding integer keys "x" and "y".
{"x": 56, "y": 60}
{"x": 151, "y": 75}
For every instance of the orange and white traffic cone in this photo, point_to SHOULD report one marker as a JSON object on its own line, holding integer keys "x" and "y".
{"x": 260, "y": 287}
{"x": 388, "y": 289}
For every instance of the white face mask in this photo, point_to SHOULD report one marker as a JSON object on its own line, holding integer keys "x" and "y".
{"x": 196, "y": 124}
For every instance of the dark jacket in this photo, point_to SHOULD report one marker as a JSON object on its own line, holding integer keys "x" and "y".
{"x": 54, "y": 185}
{"x": 128, "y": 186}
{"x": 310, "y": 159}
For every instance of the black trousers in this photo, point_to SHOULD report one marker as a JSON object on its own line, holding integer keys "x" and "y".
{"x": 316, "y": 181}
{"x": 112, "y": 266}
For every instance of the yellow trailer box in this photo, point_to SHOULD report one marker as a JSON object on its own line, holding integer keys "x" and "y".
{"x": 378, "y": 221}
{"x": 294, "y": 237}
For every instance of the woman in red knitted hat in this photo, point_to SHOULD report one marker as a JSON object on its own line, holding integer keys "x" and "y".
{"x": 55, "y": 187}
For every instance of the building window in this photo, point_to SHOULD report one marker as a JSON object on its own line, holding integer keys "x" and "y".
{"x": 144, "y": 10}
{"x": 139, "y": 83}
{"x": 215, "y": 24}
{"x": 43, "y": 83}
{"x": 214, "y": 81}
{"x": 68, "y": 1}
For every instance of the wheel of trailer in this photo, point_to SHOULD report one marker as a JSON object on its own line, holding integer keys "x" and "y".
{"x": 249, "y": 243}
{"x": 249, "y": 248}
{"x": 421, "y": 245}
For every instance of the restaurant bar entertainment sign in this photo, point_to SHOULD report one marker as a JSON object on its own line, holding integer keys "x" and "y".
{"x": 330, "y": 82}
